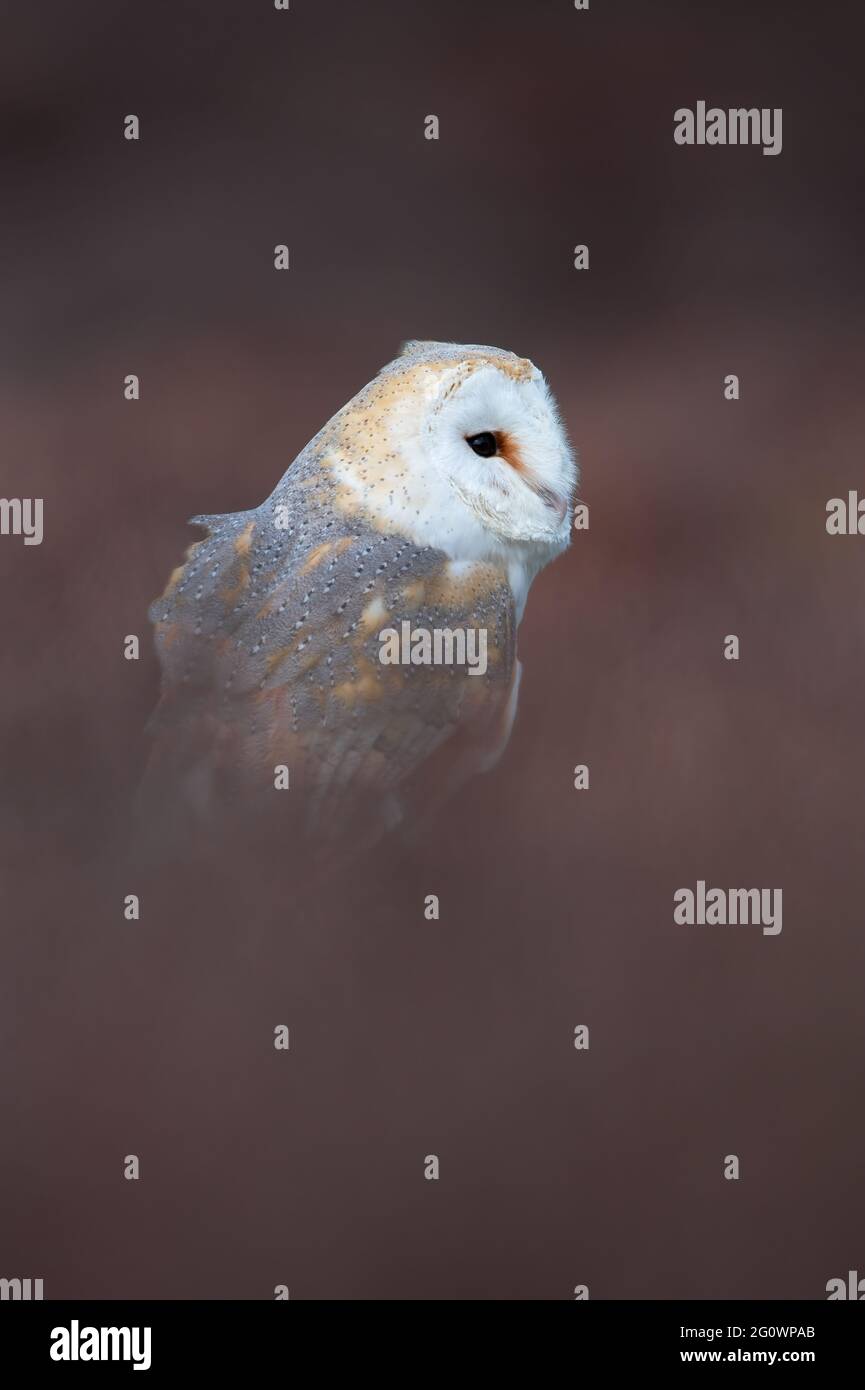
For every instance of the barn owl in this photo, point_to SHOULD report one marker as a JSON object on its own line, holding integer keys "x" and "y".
{"x": 427, "y": 504}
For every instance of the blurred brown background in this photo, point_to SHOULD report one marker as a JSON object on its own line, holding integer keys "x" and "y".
{"x": 707, "y": 518}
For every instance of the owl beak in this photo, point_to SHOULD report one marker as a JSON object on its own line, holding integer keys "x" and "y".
{"x": 557, "y": 505}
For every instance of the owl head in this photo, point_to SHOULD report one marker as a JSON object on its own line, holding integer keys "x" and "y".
{"x": 460, "y": 447}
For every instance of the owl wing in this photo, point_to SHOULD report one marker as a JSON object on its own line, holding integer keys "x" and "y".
{"x": 270, "y": 642}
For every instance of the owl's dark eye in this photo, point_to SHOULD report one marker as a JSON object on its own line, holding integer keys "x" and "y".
{"x": 483, "y": 444}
